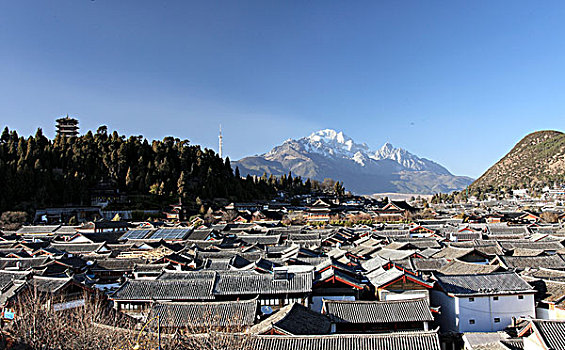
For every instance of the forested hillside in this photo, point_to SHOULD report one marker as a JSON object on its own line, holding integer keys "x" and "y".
{"x": 537, "y": 160}
{"x": 37, "y": 172}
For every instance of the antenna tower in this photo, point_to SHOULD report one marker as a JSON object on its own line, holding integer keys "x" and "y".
{"x": 221, "y": 142}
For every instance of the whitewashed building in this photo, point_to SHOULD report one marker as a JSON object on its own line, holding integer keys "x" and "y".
{"x": 481, "y": 303}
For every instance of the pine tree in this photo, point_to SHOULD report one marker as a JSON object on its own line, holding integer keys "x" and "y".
{"x": 129, "y": 179}
{"x": 181, "y": 184}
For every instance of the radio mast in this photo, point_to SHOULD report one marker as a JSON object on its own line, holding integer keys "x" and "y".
{"x": 221, "y": 142}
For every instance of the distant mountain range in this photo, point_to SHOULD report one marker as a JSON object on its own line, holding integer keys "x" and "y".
{"x": 538, "y": 159}
{"x": 331, "y": 154}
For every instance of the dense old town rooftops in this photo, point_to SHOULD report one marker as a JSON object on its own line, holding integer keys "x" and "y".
{"x": 320, "y": 285}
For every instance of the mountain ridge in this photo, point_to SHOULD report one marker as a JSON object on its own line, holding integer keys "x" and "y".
{"x": 537, "y": 159}
{"x": 330, "y": 153}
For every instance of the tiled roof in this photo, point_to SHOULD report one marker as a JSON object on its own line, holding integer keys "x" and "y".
{"x": 388, "y": 341}
{"x": 527, "y": 252}
{"x": 209, "y": 314}
{"x": 484, "y": 341}
{"x": 392, "y": 233}
{"x": 543, "y": 245}
{"x": 246, "y": 283}
{"x": 197, "y": 288}
{"x": 551, "y": 333}
{"x": 380, "y": 277}
{"x": 429, "y": 264}
{"x": 457, "y": 267}
{"x": 217, "y": 264}
{"x": 49, "y": 284}
{"x": 259, "y": 239}
{"x": 116, "y": 264}
{"x": 453, "y": 252}
{"x": 39, "y": 229}
{"x": 77, "y": 248}
{"x": 524, "y": 262}
{"x": 339, "y": 275}
{"x": 373, "y": 264}
{"x": 6, "y": 278}
{"x": 391, "y": 254}
{"x": 390, "y": 311}
{"x": 294, "y": 319}
{"x": 490, "y": 284}
{"x": 22, "y": 264}
{"x": 544, "y": 273}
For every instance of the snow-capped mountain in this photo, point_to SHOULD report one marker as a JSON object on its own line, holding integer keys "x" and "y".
{"x": 329, "y": 153}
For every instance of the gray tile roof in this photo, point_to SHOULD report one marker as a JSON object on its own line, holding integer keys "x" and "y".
{"x": 524, "y": 262}
{"x": 6, "y": 278}
{"x": 22, "y": 263}
{"x": 457, "y": 267}
{"x": 388, "y": 341}
{"x": 390, "y": 254}
{"x": 38, "y": 229}
{"x": 380, "y": 277}
{"x": 294, "y": 319}
{"x": 209, "y": 314}
{"x": 251, "y": 283}
{"x": 49, "y": 284}
{"x": 544, "y": 245}
{"x": 490, "y": 284}
{"x": 389, "y": 311}
{"x": 551, "y": 332}
{"x": 196, "y": 288}
{"x": 77, "y": 248}
{"x": 427, "y": 264}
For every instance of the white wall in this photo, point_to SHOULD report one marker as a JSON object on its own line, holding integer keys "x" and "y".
{"x": 485, "y": 309}
{"x": 408, "y": 294}
{"x": 457, "y": 312}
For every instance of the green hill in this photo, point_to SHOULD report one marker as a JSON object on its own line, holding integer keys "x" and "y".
{"x": 537, "y": 160}
{"x": 39, "y": 172}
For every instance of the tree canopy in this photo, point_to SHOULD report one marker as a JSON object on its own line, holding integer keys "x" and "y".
{"x": 38, "y": 172}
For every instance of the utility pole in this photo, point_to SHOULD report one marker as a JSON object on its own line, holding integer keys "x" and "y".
{"x": 221, "y": 142}
{"x": 159, "y": 332}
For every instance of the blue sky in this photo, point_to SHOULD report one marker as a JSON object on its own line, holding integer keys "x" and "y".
{"x": 458, "y": 82}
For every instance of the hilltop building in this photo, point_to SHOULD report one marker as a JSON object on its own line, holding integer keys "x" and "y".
{"x": 67, "y": 127}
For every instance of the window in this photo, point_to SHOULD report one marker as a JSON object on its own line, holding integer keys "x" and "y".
{"x": 495, "y": 298}
{"x": 520, "y": 297}
{"x": 471, "y": 300}
{"x": 471, "y": 321}
{"x": 496, "y": 320}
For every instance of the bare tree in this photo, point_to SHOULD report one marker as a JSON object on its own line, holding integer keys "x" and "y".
{"x": 47, "y": 323}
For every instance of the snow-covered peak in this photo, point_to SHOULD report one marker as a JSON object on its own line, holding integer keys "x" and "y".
{"x": 406, "y": 159}
{"x": 329, "y": 136}
{"x": 333, "y": 143}
{"x": 387, "y": 148}
{"x": 388, "y": 151}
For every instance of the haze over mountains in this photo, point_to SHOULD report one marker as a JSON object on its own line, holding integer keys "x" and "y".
{"x": 332, "y": 154}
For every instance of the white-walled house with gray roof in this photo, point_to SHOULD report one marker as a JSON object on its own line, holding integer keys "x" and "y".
{"x": 481, "y": 303}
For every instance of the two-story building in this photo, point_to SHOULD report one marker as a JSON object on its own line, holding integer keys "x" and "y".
{"x": 481, "y": 303}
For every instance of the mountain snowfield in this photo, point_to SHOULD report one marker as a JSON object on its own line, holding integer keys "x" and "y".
{"x": 331, "y": 154}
